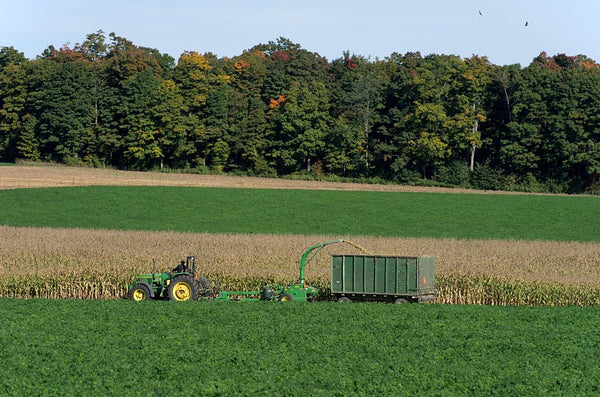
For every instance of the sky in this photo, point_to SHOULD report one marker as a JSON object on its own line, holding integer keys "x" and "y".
{"x": 371, "y": 28}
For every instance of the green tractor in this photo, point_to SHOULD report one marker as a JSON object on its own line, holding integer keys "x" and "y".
{"x": 182, "y": 283}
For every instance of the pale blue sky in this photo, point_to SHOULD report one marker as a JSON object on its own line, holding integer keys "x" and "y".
{"x": 372, "y": 28}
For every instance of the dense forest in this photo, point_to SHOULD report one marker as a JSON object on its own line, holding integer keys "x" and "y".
{"x": 278, "y": 109}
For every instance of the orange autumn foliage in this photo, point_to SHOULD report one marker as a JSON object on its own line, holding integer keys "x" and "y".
{"x": 276, "y": 103}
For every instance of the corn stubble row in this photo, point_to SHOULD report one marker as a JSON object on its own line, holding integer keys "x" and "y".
{"x": 98, "y": 264}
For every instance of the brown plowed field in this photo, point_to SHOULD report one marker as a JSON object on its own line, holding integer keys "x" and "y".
{"x": 17, "y": 177}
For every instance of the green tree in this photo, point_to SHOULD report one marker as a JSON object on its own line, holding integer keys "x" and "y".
{"x": 343, "y": 150}
{"x": 125, "y": 60}
{"x": 520, "y": 149}
{"x": 468, "y": 112}
{"x": 169, "y": 114}
{"x": 247, "y": 112}
{"x": 59, "y": 86}
{"x": 13, "y": 95}
{"x": 132, "y": 76}
{"x": 423, "y": 113}
{"x": 287, "y": 62}
{"x": 142, "y": 135}
{"x": 27, "y": 144}
{"x": 588, "y": 158}
{"x": 396, "y": 131}
{"x": 104, "y": 137}
{"x": 365, "y": 100}
{"x": 300, "y": 122}
{"x": 582, "y": 122}
{"x": 219, "y": 154}
{"x": 206, "y": 101}
{"x": 94, "y": 48}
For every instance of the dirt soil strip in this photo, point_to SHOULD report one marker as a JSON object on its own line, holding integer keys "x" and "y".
{"x": 19, "y": 177}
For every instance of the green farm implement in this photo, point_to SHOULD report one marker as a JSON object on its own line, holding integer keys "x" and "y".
{"x": 180, "y": 284}
{"x": 299, "y": 292}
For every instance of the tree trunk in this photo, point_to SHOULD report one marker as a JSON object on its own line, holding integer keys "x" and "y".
{"x": 473, "y": 147}
{"x": 507, "y": 105}
{"x": 366, "y": 132}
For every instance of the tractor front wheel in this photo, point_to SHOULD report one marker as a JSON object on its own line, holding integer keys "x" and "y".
{"x": 183, "y": 288}
{"x": 139, "y": 293}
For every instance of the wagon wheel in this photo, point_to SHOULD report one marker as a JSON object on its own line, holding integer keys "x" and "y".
{"x": 344, "y": 299}
{"x": 286, "y": 298}
{"x": 183, "y": 288}
{"x": 401, "y": 301}
{"x": 139, "y": 293}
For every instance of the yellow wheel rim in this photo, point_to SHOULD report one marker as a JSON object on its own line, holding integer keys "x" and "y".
{"x": 182, "y": 291}
{"x": 139, "y": 295}
{"x": 284, "y": 299}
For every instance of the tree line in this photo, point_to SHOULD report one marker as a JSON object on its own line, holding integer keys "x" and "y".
{"x": 279, "y": 109}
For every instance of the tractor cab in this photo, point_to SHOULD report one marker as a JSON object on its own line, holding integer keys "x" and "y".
{"x": 188, "y": 266}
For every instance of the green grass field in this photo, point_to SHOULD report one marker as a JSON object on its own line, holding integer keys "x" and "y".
{"x": 224, "y": 210}
{"x": 70, "y": 347}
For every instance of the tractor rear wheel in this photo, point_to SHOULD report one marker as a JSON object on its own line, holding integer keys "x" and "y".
{"x": 183, "y": 288}
{"x": 139, "y": 293}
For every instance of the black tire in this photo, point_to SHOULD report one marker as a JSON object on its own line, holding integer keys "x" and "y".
{"x": 401, "y": 301}
{"x": 183, "y": 289}
{"x": 286, "y": 298}
{"x": 344, "y": 299}
{"x": 139, "y": 293}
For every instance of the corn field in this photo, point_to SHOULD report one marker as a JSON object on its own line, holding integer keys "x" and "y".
{"x": 99, "y": 264}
